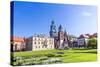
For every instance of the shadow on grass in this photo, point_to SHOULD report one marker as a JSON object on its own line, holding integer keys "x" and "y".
{"x": 92, "y": 52}
{"x": 82, "y": 48}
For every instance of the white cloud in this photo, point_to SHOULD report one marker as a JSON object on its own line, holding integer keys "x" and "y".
{"x": 86, "y": 13}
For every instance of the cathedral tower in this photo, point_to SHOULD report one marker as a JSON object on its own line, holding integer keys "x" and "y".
{"x": 53, "y": 32}
{"x": 66, "y": 41}
{"x": 61, "y": 37}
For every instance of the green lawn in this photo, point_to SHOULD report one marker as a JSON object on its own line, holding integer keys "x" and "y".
{"x": 71, "y": 55}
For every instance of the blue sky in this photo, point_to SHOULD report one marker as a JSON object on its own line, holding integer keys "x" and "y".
{"x": 32, "y": 17}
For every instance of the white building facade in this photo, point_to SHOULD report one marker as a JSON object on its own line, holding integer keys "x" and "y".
{"x": 40, "y": 43}
{"x": 83, "y": 40}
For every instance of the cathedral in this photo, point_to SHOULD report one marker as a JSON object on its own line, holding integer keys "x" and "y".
{"x": 60, "y": 37}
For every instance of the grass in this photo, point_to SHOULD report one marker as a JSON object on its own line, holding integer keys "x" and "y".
{"x": 71, "y": 55}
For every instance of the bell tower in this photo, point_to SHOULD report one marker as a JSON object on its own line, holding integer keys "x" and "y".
{"x": 53, "y": 32}
{"x": 60, "y": 33}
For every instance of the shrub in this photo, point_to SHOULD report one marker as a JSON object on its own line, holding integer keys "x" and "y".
{"x": 50, "y": 55}
{"x": 58, "y": 55}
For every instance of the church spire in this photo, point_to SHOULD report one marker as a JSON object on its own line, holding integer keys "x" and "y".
{"x": 60, "y": 28}
{"x": 65, "y": 34}
{"x": 66, "y": 37}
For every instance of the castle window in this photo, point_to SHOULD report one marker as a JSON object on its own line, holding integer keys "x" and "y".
{"x": 42, "y": 42}
{"x": 39, "y": 46}
{"x": 51, "y": 46}
{"x": 35, "y": 46}
{"x": 34, "y": 42}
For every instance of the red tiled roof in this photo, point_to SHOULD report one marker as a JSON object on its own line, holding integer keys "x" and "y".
{"x": 83, "y": 36}
{"x": 17, "y": 39}
{"x": 88, "y": 35}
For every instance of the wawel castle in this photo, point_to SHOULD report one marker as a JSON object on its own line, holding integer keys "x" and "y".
{"x": 58, "y": 39}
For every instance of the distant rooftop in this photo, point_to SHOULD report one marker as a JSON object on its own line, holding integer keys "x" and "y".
{"x": 17, "y": 39}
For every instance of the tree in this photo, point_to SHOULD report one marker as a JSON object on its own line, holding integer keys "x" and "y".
{"x": 92, "y": 43}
